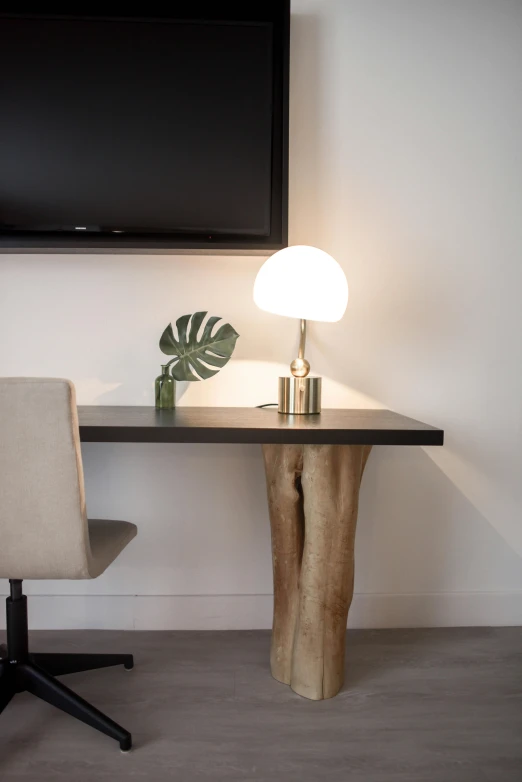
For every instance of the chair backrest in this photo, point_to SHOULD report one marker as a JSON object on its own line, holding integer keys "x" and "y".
{"x": 43, "y": 522}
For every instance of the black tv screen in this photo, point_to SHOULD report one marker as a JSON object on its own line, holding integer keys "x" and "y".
{"x": 145, "y": 131}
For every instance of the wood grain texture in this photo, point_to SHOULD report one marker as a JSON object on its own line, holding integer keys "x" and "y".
{"x": 283, "y": 468}
{"x": 313, "y": 495}
{"x": 252, "y": 425}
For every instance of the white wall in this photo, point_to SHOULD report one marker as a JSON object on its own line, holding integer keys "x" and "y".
{"x": 406, "y": 166}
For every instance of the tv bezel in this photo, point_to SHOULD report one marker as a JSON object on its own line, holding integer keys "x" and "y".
{"x": 276, "y": 12}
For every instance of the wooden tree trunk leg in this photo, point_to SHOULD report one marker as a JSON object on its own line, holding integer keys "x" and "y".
{"x": 283, "y": 464}
{"x": 331, "y": 479}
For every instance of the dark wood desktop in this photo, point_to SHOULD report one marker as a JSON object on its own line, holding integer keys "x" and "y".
{"x": 314, "y": 466}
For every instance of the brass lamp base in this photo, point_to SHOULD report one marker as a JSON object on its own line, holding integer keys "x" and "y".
{"x": 300, "y": 395}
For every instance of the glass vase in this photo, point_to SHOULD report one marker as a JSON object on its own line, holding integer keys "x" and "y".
{"x": 165, "y": 387}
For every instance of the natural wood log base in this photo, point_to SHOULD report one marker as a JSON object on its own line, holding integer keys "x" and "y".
{"x": 313, "y": 494}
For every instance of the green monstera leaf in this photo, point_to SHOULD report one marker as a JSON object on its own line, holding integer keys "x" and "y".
{"x": 193, "y": 355}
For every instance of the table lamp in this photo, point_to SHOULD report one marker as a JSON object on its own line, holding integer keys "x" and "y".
{"x": 306, "y": 283}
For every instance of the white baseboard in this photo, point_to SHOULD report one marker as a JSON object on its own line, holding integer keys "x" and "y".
{"x": 251, "y": 612}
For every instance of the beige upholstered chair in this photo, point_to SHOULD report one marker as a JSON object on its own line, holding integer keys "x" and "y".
{"x": 45, "y": 534}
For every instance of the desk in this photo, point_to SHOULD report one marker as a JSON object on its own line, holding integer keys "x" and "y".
{"x": 314, "y": 466}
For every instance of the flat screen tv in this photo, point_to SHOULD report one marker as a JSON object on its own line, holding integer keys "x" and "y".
{"x": 165, "y": 130}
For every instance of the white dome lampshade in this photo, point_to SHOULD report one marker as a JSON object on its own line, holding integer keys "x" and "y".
{"x": 302, "y": 282}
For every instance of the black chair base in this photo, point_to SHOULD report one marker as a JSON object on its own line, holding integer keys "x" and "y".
{"x": 21, "y": 671}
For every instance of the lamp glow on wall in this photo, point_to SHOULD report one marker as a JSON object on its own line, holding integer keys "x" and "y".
{"x": 306, "y": 283}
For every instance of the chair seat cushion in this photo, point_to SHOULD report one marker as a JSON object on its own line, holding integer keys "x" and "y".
{"x": 108, "y": 538}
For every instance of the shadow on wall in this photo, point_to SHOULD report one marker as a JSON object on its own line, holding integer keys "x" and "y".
{"x": 305, "y": 217}
{"x": 416, "y": 531}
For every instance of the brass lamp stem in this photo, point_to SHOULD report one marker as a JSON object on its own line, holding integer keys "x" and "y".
{"x": 302, "y": 339}
{"x": 300, "y": 366}
{"x": 300, "y": 393}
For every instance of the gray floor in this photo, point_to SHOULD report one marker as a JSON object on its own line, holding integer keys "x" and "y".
{"x": 441, "y": 705}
